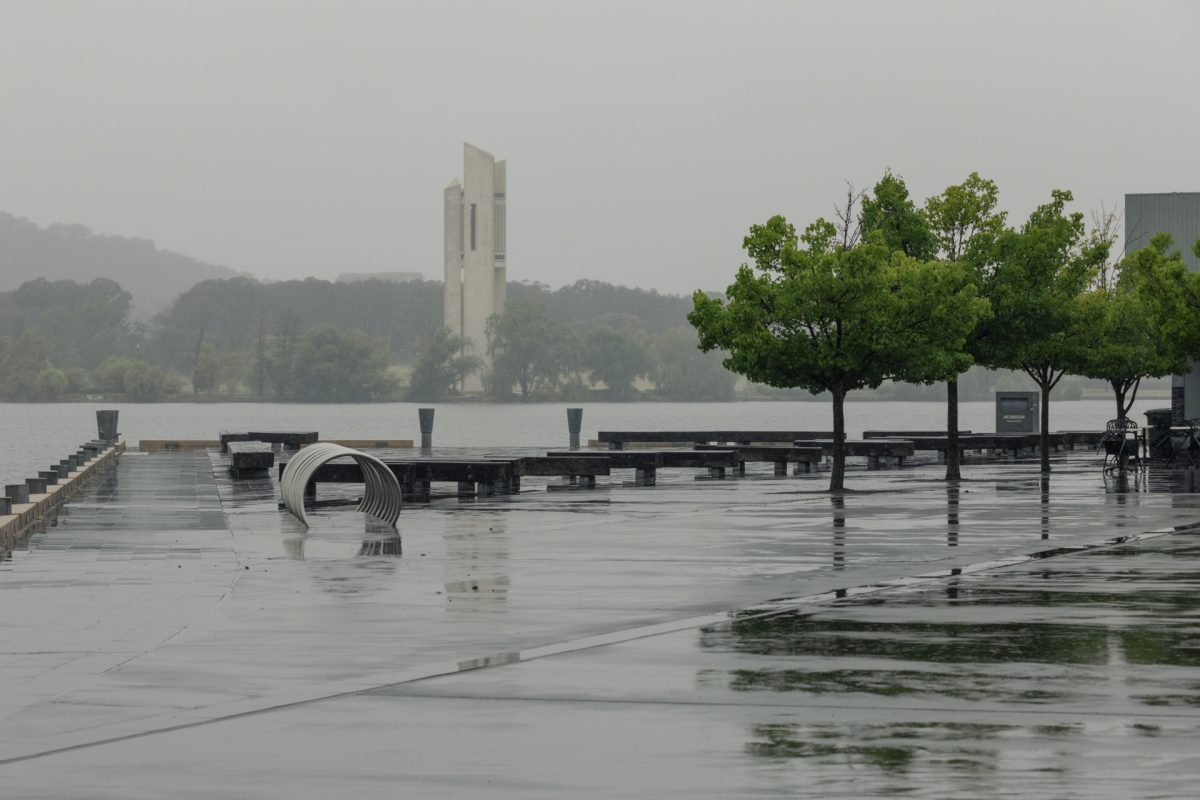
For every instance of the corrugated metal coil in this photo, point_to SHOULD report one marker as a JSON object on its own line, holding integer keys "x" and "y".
{"x": 381, "y": 497}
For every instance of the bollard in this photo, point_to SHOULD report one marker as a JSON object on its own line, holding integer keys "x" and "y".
{"x": 49, "y": 476}
{"x": 5, "y": 506}
{"x": 106, "y": 425}
{"x": 62, "y": 470}
{"x": 36, "y": 485}
{"x": 425, "y": 415}
{"x": 17, "y": 492}
{"x": 574, "y": 425}
{"x": 73, "y": 462}
{"x": 66, "y": 464}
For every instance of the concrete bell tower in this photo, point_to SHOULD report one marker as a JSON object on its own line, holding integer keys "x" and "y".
{"x": 475, "y": 250}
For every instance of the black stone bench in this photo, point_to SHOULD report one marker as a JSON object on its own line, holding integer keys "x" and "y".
{"x": 802, "y": 457}
{"x": 478, "y": 477}
{"x": 1012, "y": 444}
{"x": 616, "y": 440}
{"x": 248, "y": 459}
{"x": 646, "y": 463}
{"x": 907, "y": 434}
{"x": 880, "y": 453}
{"x": 292, "y": 440}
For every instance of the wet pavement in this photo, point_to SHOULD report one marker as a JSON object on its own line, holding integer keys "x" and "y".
{"x": 177, "y": 632}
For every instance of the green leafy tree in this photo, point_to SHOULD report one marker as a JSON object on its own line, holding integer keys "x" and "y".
{"x": 289, "y": 328}
{"x": 528, "y": 348}
{"x": 50, "y": 385}
{"x": 955, "y": 218}
{"x": 1036, "y": 280}
{"x": 618, "y": 357}
{"x": 81, "y": 323}
{"x": 78, "y": 379}
{"x": 206, "y": 373}
{"x": 685, "y": 372}
{"x": 889, "y": 215}
{"x": 443, "y": 362}
{"x": 22, "y": 358}
{"x": 825, "y": 317}
{"x": 144, "y": 383}
{"x": 110, "y": 375}
{"x": 1144, "y": 323}
{"x": 342, "y": 366}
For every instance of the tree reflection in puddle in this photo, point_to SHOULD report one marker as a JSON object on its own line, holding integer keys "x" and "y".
{"x": 891, "y": 748}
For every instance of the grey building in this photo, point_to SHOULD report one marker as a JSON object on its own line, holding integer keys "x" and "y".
{"x": 1178, "y": 214}
{"x": 475, "y": 250}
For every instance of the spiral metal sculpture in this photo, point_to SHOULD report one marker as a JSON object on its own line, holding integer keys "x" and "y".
{"x": 381, "y": 497}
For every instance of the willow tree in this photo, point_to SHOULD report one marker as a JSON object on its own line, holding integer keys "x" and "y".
{"x": 816, "y": 314}
{"x": 1143, "y": 323}
{"x": 1036, "y": 278}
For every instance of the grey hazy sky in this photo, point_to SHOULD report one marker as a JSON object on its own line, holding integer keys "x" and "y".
{"x": 309, "y": 138}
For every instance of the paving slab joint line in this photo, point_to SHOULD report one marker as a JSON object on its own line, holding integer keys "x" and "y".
{"x": 758, "y": 611}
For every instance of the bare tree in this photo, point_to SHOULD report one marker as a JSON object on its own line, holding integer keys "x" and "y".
{"x": 196, "y": 356}
{"x": 849, "y": 224}
{"x": 1106, "y": 227}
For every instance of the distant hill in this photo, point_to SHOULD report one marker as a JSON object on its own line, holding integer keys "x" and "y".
{"x": 72, "y": 252}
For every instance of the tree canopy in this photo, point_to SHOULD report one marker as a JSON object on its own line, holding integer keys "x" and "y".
{"x": 1144, "y": 323}
{"x": 1036, "y": 277}
{"x": 528, "y": 348}
{"x": 826, "y": 317}
{"x": 445, "y": 360}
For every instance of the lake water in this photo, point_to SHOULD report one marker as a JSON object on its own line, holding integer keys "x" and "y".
{"x": 35, "y": 434}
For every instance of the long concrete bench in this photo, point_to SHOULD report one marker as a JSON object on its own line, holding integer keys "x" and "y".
{"x": 616, "y": 440}
{"x": 646, "y": 463}
{"x": 880, "y": 453}
{"x": 292, "y": 440}
{"x": 248, "y": 459}
{"x": 1012, "y": 444}
{"x": 481, "y": 477}
{"x": 803, "y": 458}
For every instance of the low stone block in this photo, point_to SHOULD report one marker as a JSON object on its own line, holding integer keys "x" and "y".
{"x": 36, "y": 485}
{"x": 17, "y": 492}
{"x": 248, "y": 458}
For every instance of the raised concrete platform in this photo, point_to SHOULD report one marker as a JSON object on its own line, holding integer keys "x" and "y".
{"x": 176, "y": 634}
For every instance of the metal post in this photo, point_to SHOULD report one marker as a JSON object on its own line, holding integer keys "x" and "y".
{"x": 425, "y": 415}
{"x": 574, "y": 425}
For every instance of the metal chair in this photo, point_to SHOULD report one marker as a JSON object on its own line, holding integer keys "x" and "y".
{"x": 1120, "y": 442}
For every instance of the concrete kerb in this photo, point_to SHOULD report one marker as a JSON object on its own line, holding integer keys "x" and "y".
{"x": 39, "y": 504}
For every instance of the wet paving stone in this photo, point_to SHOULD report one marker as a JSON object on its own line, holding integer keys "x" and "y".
{"x": 579, "y": 643}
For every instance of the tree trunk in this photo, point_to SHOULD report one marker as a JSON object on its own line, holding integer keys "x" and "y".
{"x": 1120, "y": 395}
{"x": 952, "y": 452}
{"x": 837, "y": 479}
{"x": 1044, "y": 439}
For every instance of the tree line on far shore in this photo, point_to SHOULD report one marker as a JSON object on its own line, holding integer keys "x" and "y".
{"x": 319, "y": 341}
{"x": 892, "y": 290}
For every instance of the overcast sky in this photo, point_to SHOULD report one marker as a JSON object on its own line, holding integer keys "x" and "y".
{"x": 289, "y": 139}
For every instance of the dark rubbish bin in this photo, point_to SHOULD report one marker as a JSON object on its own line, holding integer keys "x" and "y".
{"x": 106, "y": 425}
{"x": 1158, "y": 424}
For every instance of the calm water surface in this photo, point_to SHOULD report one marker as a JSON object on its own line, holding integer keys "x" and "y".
{"x": 33, "y": 435}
